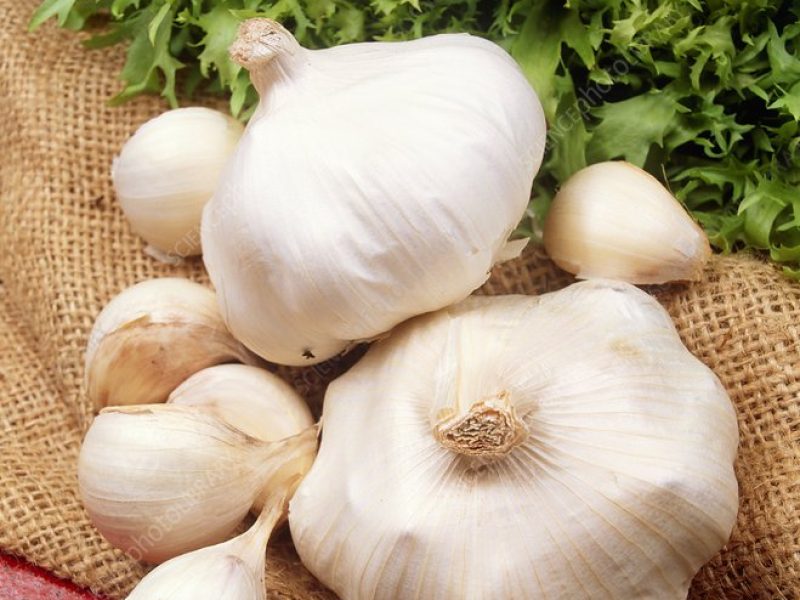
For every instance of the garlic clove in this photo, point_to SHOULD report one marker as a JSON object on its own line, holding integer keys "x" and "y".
{"x": 256, "y": 402}
{"x": 560, "y": 446}
{"x": 151, "y": 337}
{"x": 251, "y": 399}
{"x": 614, "y": 220}
{"x": 168, "y": 170}
{"x": 232, "y": 570}
{"x": 375, "y": 182}
{"x": 160, "y": 480}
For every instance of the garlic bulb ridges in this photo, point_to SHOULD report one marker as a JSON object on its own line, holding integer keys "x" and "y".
{"x": 168, "y": 170}
{"x": 163, "y": 479}
{"x": 233, "y": 570}
{"x": 375, "y": 182}
{"x": 565, "y": 446}
{"x": 257, "y": 403}
{"x": 614, "y": 220}
{"x": 151, "y": 337}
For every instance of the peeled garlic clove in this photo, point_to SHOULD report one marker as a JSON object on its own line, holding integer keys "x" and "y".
{"x": 375, "y": 182}
{"x": 162, "y": 479}
{"x": 561, "y": 446}
{"x": 168, "y": 170}
{"x": 151, "y": 337}
{"x": 233, "y": 570}
{"x": 614, "y": 220}
{"x": 256, "y": 402}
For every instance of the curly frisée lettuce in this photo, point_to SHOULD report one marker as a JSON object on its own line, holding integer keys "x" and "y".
{"x": 705, "y": 95}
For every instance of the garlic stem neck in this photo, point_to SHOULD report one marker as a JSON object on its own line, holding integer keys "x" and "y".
{"x": 259, "y": 42}
{"x": 490, "y": 428}
{"x": 254, "y": 540}
{"x": 274, "y": 456}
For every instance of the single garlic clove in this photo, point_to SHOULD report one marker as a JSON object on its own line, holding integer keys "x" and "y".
{"x": 168, "y": 170}
{"x": 614, "y": 220}
{"x": 560, "y": 446}
{"x": 160, "y": 480}
{"x": 256, "y": 402}
{"x": 151, "y": 337}
{"x": 232, "y": 570}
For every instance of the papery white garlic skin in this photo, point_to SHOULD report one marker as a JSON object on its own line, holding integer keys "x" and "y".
{"x": 232, "y": 570}
{"x": 375, "y": 182}
{"x": 151, "y": 337}
{"x": 565, "y": 446}
{"x": 168, "y": 170}
{"x": 615, "y": 220}
{"x": 160, "y": 480}
{"x": 256, "y": 402}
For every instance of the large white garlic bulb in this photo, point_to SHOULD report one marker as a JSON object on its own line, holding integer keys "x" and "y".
{"x": 375, "y": 182}
{"x": 168, "y": 170}
{"x": 561, "y": 447}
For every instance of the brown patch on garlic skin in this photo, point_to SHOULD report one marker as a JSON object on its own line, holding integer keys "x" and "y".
{"x": 625, "y": 349}
{"x": 490, "y": 428}
{"x": 142, "y": 362}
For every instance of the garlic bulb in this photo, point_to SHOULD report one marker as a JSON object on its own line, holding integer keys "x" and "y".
{"x": 614, "y": 220}
{"x": 375, "y": 182}
{"x": 232, "y": 570}
{"x": 151, "y": 337}
{"x": 563, "y": 446}
{"x": 168, "y": 170}
{"x": 160, "y": 480}
{"x": 256, "y": 402}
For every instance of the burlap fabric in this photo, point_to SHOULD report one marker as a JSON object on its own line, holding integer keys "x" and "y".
{"x": 65, "y": 249}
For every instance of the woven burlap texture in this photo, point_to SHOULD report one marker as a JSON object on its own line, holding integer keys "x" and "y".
{"x": 65, "y": 249}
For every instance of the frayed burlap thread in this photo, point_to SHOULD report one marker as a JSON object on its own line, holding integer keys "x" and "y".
{"x": 65, "y": 249}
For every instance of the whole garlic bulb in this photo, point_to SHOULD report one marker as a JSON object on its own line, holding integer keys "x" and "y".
{"x": 160, "y": 480}
{"x": 256, "y": 402}
{"x": 375, "y": 182}
{"x": 614, "y": 220}
{"x": 232, "y": 570}
{"x": 168, "y": 170}
{"x": 151, "y": 337}
{"x": 562, "y": 446}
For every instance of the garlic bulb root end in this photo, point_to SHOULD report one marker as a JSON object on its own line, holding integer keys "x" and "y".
{"x": 490, "y": 427}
